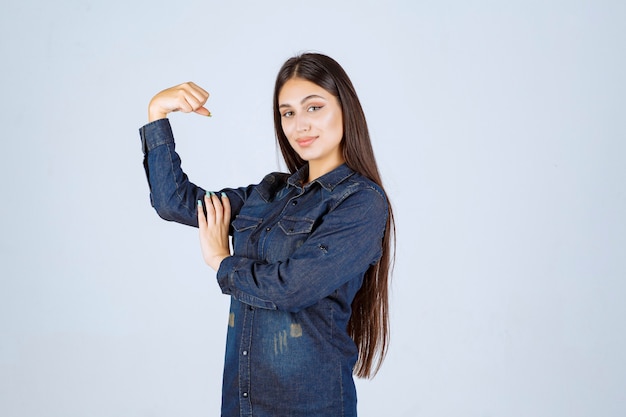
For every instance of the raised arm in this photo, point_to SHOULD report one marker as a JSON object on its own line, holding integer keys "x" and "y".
{"x": 172, "y": 195}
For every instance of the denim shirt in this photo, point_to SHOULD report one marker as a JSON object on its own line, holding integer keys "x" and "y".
{"x": 299, "y": 256}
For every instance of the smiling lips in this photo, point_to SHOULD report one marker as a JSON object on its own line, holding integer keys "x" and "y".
{"x": 306, "y": 141}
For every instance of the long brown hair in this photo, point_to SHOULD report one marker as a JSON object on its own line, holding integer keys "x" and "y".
{"x": 369, "y": 323}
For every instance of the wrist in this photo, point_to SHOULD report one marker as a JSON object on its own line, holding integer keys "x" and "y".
{"x": 155, "y": 113}
{"x": 216, "y": 261}
{"x": 152, "y": 116}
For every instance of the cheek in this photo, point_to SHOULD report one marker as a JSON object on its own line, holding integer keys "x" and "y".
{"x": 339, "y": 122}
{"x": 339, "y": 127}
{"x": 287, "y": 128}
{"x": 334, "y": 123}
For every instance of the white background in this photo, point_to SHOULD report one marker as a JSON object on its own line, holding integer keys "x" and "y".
{"x": 499, "y": 128}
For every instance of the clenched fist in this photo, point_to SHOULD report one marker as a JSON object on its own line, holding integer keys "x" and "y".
{"x": 186, "y": 98}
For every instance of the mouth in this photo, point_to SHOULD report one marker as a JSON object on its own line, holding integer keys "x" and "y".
{"x": 305, "y": 141}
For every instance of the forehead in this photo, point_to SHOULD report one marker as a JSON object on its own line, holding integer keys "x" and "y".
{"x": 297, "y": 89}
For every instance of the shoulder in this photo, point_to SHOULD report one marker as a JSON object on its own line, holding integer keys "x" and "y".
{"x": 275, "y": 178}
{"x": 358, "y": 183}
{"x": 360, "y": 190}
{"x": 271, "y": 184}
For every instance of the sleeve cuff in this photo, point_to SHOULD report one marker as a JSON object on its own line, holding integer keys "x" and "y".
{"x": 227, "y": 267}
{"x": 155, "y": 134}
{"x": 225, "y": 277}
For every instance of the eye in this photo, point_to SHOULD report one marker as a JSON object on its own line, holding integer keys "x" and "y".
{"x": 288, "y": 113}
{"x": 314, "y": 108}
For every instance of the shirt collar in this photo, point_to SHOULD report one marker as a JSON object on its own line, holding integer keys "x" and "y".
{"x": 329, "y": 180}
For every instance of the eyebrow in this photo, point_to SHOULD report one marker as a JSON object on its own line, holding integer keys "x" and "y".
{"x": 303, "y": 100}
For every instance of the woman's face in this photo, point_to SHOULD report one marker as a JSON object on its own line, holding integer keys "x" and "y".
{"x": 311, "y": 119}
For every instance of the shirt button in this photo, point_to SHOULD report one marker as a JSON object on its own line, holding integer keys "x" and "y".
{"x": 294, "y": 203}
{"x": 245, "y": 353}
{"x": 267, "y": 229}
{"x": 245, "y": 395}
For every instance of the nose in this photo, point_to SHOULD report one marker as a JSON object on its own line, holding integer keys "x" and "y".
{"x": 302, "y": 123}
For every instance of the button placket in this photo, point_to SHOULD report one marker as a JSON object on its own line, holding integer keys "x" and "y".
{"x": 244, "y": 359}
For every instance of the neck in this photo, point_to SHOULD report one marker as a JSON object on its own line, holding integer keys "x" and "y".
{"x": 316, "y": 170}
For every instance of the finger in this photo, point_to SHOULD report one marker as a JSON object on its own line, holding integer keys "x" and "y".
{"x": 189, "y": 104}
{"x": 189, "y": 100}
{"x": 210, "y": 210}
{"x": 194, "y": 95}
{"x": 203, "y": 111}
{"x": 192, "y": 104}
{"x": 191, "y": 86}
{"x": 202, "y": 223}
{"x": 199, "y": 93}
{"x": 226, "y": 204}
{"x": 219, "y": 209}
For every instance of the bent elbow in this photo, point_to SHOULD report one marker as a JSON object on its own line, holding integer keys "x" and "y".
{"x": 171, "y": 212}
{"x": 164, "y": 213}
{"x": 161, "y": 208}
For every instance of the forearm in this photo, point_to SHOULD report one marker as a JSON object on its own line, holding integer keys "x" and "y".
{"x": 340, "y": 250}
{"x": 172, "y": 195}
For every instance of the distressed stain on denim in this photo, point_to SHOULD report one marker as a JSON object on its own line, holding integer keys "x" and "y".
{"x": 280, "y": 338}
{"x": 280, "y": 342}
{"x": 295, "y": 330}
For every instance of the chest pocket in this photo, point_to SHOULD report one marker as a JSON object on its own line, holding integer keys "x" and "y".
{"x": 292, "y": 226}
{"x": 243, "y": 235}
{"x": 290, "y": 234}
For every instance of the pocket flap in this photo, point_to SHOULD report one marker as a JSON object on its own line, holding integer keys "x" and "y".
{"x": 293, "y": 226}
{"x": 242, "y": 223}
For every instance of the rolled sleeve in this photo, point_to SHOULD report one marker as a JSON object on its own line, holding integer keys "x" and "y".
{"x": 155, "y": 134}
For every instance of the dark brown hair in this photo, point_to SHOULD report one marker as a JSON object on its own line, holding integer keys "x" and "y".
{"x": 369, "y": 322}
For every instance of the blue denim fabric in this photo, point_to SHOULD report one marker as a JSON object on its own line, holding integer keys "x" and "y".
{"x": 299, "y": 255}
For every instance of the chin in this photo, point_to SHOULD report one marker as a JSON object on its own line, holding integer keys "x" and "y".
{"x": 306, "y": 157}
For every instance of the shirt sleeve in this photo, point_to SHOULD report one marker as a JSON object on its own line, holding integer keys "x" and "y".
{"x": 343, "y": 246}
{"x": 172, "y": 194}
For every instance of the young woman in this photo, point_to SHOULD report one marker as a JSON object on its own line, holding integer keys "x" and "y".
{"x": 308, "y": 273}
